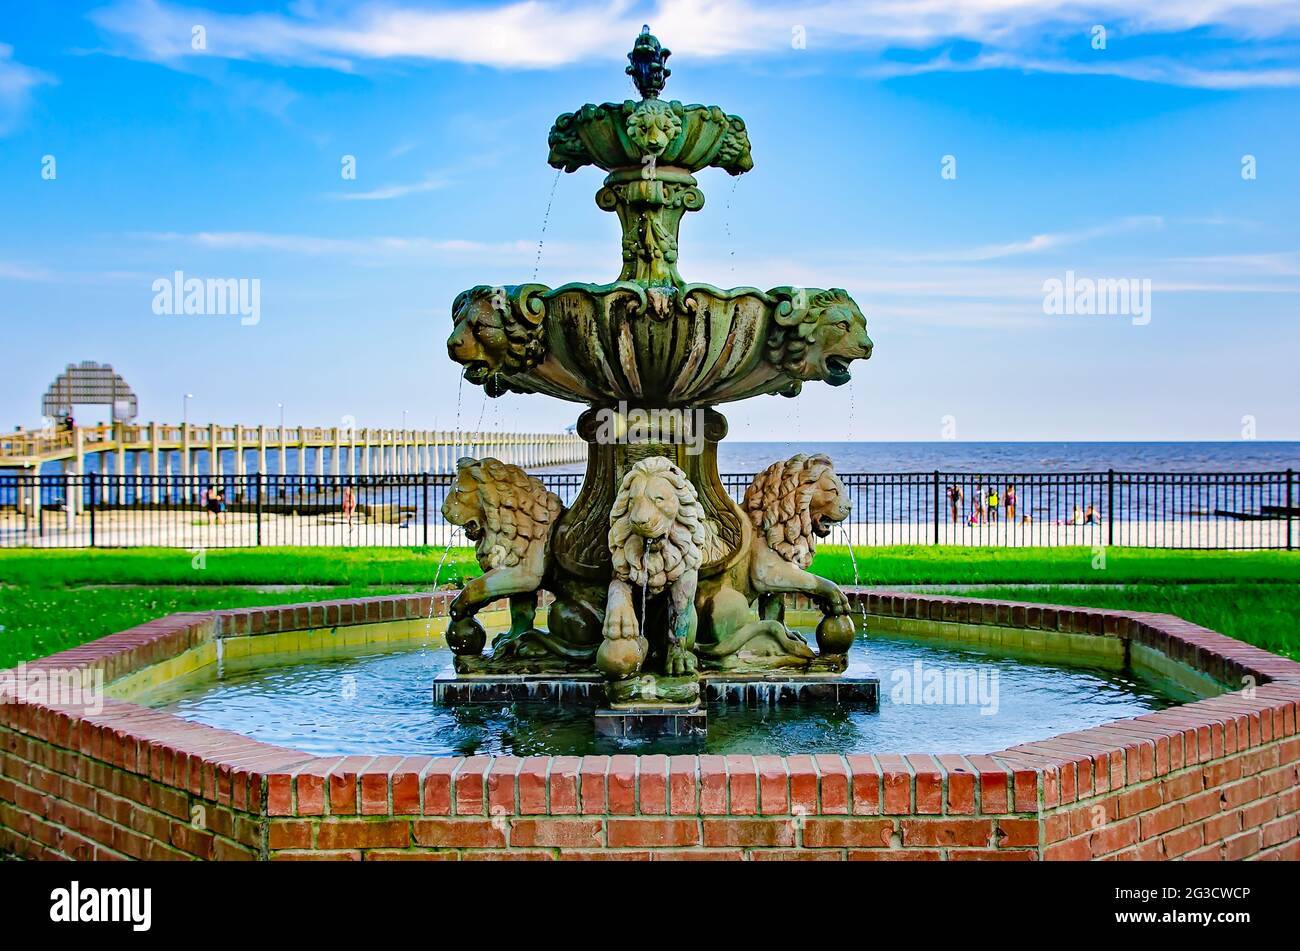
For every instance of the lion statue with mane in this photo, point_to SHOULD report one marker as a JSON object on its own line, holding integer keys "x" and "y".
{"x": 497, "y": 333}
{"x": 789, "y": 505}
{"x": 508, "y": 515}
{"x": 815, "y": 335}
{"x": 658, "y": 538}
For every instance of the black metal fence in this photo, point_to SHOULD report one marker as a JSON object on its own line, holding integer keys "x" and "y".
{"x": 1159, "y": 510}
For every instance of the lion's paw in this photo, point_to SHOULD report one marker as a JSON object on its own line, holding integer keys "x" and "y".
{"x": 836, "y": 603}
{"x": 679, "y": 662}
{"x": 620, "y": 622}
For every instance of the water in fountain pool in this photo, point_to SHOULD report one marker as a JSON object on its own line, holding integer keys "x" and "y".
{"x": 381, "y": 704}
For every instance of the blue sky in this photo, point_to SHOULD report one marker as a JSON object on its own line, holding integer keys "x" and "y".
{"x": 1122, "y": 162}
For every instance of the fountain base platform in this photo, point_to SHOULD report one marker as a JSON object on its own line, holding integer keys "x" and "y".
{"x": 573, "y": 690}
{"x": 768, "y": 689}
{"x": 650, "y": 721}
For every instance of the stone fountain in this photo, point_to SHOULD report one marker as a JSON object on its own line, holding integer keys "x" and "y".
{"x": 664, "y": 590}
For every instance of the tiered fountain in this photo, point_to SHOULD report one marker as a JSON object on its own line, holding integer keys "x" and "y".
{"x": 666, "y": 592}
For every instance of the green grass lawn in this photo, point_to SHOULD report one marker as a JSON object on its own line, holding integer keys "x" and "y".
{"x": 1261, "y": 614}
{"x": 919, "y": 564}
{"x": 227, "y": 566}
{"x": 52, "y": 600}
{"x": 35, "y": 621}
{"x": 911, "y": 564}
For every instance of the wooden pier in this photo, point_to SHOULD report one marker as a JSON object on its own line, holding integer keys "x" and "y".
{"x": 161, "y": 449}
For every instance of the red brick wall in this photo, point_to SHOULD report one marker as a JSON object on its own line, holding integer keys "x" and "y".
{"x": 1216, "y": 779}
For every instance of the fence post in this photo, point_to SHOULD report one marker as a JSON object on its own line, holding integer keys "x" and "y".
{"x": 258, "y": 507}
{"x": 424, "y": 478}
{"x": 1110, "y": 506}
{"x": 936, "y": 506}
{"x": 94, "y": 491}
{"x": 1290, "y": 481}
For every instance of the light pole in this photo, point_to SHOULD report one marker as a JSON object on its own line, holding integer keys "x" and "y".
{"x": 284, "y": 451}
{"x": 185, "y": 444}
{"x": 405, "y": 449}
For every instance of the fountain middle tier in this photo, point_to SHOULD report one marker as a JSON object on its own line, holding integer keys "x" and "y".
{"x": 693, "y": 345}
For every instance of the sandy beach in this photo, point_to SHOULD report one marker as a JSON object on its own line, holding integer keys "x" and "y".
{"x": 191, "y": 530}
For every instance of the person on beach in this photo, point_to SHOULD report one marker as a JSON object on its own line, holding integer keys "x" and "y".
{"x": 349, "y": 503}
{"x": 993, "y": 503}
{"x": 1092, "y": 516}
{"x": 977, "y": 507}
{"x": 1076, "y": 517}
{"x": 215, "y": 503}
{"x": 1009, "y": 500}
{"x": 954, "y": 501}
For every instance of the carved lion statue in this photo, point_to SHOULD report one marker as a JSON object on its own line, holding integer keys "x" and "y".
{"x": 497, "y": 333}
{"x": 793, "y": 503}
{"x": 652, "y": 125}
{"x": 508, "y": 515}
{"x": 658, "y": 538}
{"x": 816, "y": 335}
{"x": 657, "y": 529}
{"x": 790, "y": 505}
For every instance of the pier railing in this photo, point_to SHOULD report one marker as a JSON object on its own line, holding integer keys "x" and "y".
{"x": 166, "y": 450}
{"x": 1205, "y": 510}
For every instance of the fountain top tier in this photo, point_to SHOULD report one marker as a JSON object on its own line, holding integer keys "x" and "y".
{"x": 650, "y": 139}
{"x": 649, "y": 338}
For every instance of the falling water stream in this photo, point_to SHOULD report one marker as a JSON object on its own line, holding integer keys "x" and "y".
{"x": 726, "y": 225}
{"x": 460, "y": 388}
{"x": 537, "y": 265}
{"x": 853, "y": 559}
{"x": 433, "y": 598}
{"x": 644, "y": 588}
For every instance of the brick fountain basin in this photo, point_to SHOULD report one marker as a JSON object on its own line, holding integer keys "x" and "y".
{"x": 1216, "y": 778}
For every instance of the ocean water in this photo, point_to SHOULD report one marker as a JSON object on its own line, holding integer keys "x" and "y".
{"x": 950, "y": 456}
{"x": 1001, "y": 457}
{"x": 905, "y": 499}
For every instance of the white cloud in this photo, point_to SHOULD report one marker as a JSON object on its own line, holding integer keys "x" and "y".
{"x": 1151, "y": 70}
{"x": 14, "y": 271}
{"x": 1000, "y": 286}
{"x": 388, "y": 192}
{"x": 1011, "y": 34}
{"x": 528, "y": 34}
{"x": 1042, "y": 242}
{"x": 16, "y": 84}
{"x": 905, "y": 292}
{"x": 379, "y": 246}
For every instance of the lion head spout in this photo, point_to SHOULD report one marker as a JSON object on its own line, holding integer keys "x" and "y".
{"x": 816, "y": 335}
{"x": 657, "y": 530}
{"x": 504, "y": 510}
{"x": 498, "y": 333}
{"x": 793, "y": 503}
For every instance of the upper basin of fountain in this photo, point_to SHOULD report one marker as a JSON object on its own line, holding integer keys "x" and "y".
{"x": 617, "y": 135}
{"x": 651, "y": 132}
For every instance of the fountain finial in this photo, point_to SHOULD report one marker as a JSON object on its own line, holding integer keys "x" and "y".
{"x": 647, "y": 67}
